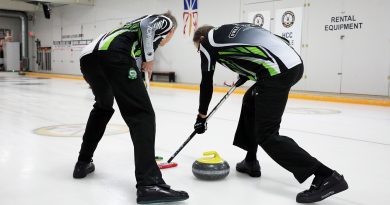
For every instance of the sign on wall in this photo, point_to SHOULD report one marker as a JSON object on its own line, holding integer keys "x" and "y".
{"x": 190, "y": 16}
{"x": 260, "y": 18}
{"x": 288, "y": 24}
{"x": 346, "y": 22}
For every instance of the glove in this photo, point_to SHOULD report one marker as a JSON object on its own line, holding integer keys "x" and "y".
{"x": 242, "y": 79}
{"x": 200, "y": 125}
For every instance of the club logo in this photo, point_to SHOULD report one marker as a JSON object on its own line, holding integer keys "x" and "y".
{"x": 288, "y": 19}
{"x": 132, "y": 74}
{"x": 160, "y": 24}
{"x": 258, "y": 20}
{"x": 149, "y": 31}
{"x": 234, "y": 31}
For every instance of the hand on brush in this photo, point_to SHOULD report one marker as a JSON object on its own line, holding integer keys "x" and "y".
{"x": 148, "y": 67}
{"x": 241, "y": 80}
{"x": 200, "y": 124}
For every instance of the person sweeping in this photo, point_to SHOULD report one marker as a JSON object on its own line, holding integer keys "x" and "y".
{"x": 258, "y": 55}
{"x": 109, "y": 66}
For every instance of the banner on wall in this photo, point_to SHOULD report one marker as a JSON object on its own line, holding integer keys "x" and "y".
{"x": 190, "y": 16}
{"x": 260, "y": 18}
{"x": 288, "y": 24}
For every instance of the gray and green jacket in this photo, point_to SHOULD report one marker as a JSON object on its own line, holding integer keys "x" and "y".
{"x": 246, "y": 49}
{"x": 138, "y": 38}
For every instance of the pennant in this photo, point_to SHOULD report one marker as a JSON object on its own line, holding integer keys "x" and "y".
{"x": 190, "y": 16}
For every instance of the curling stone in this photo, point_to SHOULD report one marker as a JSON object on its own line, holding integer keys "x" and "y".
{"x": 210, "y": 168}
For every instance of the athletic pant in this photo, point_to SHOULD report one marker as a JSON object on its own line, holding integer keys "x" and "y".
{"x": 107, "y": 74}
{"x": 261, "y": 114}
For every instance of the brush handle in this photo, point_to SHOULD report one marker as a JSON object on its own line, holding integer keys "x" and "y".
{"x": 207, "y": 118}
{"x": 182, "y": 146}
{"x": 147, "y": 80}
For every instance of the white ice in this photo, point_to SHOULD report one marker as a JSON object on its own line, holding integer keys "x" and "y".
{"x": 37, "y": 170}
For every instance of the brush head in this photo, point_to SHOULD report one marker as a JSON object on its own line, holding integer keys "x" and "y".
{"x": 158, "y": 158}
{"x": 166, "y": 165}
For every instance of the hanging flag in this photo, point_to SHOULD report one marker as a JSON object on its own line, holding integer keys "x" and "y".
{"x": 190, "y": 16}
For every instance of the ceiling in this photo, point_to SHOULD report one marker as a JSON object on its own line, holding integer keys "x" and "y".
{"x": 31, "y": 5}
{"x": 80, "y": 2}
{"x": 17, "y": 6}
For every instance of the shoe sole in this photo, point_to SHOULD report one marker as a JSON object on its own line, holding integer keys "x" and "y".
{"x": 335, "y": 190}
{"x": 252, "y": 174}
{"x": 170, "y": 199}
{"x": 92, "y": 169}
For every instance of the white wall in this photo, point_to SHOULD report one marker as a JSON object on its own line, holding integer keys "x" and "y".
{"x": 179, "y": 55}
{"x": 348, "y": 61}
{"x": 343, "y": 61}
{"x": 323, "y": 53}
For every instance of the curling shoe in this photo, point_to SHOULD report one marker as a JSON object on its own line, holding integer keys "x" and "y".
{"x": 158, "y": 194}
{"x": 323, "y": 188}
{"x": 250, "y": 168}
{"x": 82, "y": 169}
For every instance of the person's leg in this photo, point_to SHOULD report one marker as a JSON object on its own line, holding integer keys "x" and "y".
{"x": 137, "y": 111}
{"x": 245, "y": 138}
{"x": 270, "y": 101}
{"x": 99, "y": 116}
{"x": 102, "y": 110}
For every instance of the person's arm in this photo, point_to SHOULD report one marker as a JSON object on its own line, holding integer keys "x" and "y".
{"x": 206, "y": 85}
{"x": 151, "y": 27}
{"x": 206, "y": 92}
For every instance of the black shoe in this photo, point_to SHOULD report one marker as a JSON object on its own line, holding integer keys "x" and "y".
{"x": 82, "y": 169}
{"x": 323, "y": 188}
{"x": 250, "y": 168}
{"x": 158, "y": 194}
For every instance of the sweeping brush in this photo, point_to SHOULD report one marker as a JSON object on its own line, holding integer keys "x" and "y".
{"x": 233, "y": 87}
{"x": 164, "y": 165}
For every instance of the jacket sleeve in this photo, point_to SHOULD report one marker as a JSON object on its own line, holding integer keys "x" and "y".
{"x": 206, "y": 91}
{"x": 153, "y": 28}
{"x": 206, "y": 85}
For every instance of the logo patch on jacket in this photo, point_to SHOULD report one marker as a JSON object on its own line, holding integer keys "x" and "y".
{"x": 132, "y": 74}
{"x": 234, "y": 31}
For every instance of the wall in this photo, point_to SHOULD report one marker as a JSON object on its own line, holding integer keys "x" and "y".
{"x": 357, "y": 63}
{"x": 179, "y": 55}
{"x": 341, "y": 61}
{"x": 349, "y": 60}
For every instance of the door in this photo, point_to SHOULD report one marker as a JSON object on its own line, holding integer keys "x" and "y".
{"x": 365, "y": 65}
{"x": 324, "y": 47}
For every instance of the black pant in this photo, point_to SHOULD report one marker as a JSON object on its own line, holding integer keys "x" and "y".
{"x": 261, "y": 114}
{"x": 107, "y": 74}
